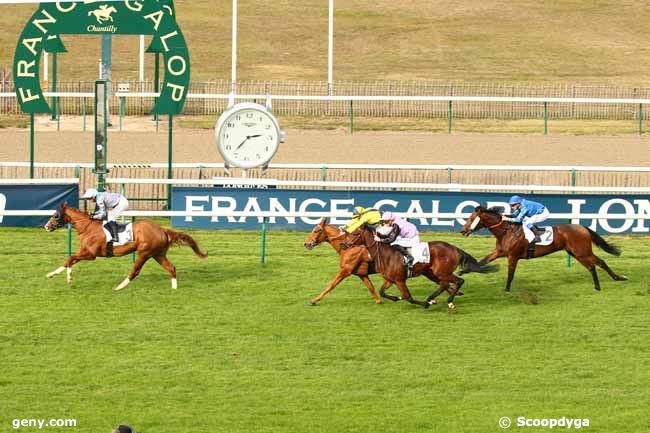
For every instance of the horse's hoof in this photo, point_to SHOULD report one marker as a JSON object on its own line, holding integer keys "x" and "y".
{"x": 451, "y": 306}
{"x": 622, "y": 278}
{"x": 313, "y": 302}
{"x": 426, "y": 305}
{"x": 378, "y": 302}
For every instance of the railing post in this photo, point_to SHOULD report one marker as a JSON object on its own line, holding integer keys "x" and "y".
{"x": 323, "y": 174}
{"x": 121, "y": 110}
{"x": 449, "y": 174}
{"x": 640, "y": 119}
{"x": 545, "y": 117}
{"x": 83, "y": 111}
{"x": 263, "y": 253}
{"x": 450, "y": 115}
{"x": 351, "y": 118}
{"x": 573, "y": 183}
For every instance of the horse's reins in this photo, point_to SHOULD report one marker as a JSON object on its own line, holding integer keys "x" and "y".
{"x": 90, "y": 220}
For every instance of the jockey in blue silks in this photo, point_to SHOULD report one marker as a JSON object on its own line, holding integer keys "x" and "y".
{"x": 527, "y": 213}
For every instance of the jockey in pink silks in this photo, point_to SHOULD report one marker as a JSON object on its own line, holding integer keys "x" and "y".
{"x": 400, "y": 234}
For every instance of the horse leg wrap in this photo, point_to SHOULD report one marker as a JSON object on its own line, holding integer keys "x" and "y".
{"x": 174, "y": 284}
{"x": 122, "y": 285}
{"x": 56, "y": 272}
{"x": 69, "y": 274}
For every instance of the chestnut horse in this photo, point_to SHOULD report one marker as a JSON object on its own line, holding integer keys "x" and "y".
{"x": 149, "y": 240}
{"x": 353, "y": 261}
{"x": 444, "y": 258}
{"x": 573, "y": 238}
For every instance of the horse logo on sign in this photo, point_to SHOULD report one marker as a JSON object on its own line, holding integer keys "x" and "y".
{"x": 103, "y": 14}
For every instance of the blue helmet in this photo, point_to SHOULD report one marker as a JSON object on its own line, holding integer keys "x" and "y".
{"x": 514, "y": 200}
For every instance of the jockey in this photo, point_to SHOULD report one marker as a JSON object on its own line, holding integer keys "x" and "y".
{"x": 362, "y": 216}
{"x": 527, "y": 213}
{"x": 400, "y": 235}
{"x": 106, "y": 201}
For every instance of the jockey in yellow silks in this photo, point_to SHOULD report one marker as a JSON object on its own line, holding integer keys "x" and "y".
{"x": 362, "y": 216}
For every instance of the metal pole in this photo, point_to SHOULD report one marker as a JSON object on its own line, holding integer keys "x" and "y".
{"x": 233, "y": 56}
{"x": 450, "y": 114}
{"x": 263, "y": 254}
{"x": 449, "y": 174}
{"x": 545, "y": 118}
{"x": 351, "y": 118}
{"x": 141, "y": 58}
{"x": 169, "y": 161}
{"x": 640, "y": 119}
{"x": 31, "y": 145}
{"x": 54, "y": 98}
{"x": 69, "y": 239}
{"x": 156, "y": 78}
{"x": 330, "y": 50}
{"x": 323, "y": 175}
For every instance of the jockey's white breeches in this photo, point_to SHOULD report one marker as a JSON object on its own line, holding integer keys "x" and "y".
{"x": 528, "y": 222}
{"x": 407, "y": 242}
{"x": 117, "y": 210}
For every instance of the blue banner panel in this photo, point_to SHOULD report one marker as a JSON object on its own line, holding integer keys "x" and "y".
{"x": 282, "y": 200}
{"x": 34, "y": 197}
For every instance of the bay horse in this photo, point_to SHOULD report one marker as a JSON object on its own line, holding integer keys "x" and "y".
{"x": 444, "y": 258}
{"x": 149, "y": 241}
{"x": 573, "y": 238}
{"x": 353, "y": 261}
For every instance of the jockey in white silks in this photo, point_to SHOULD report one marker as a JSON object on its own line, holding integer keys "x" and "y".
{"x": 106, "y": 201}
{"x": 400, "y": 234}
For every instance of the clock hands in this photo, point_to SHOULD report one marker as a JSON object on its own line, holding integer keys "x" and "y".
{"x": 246, "y": 139}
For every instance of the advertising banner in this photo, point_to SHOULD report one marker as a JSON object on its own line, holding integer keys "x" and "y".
{"x": 34, "y": 197}
{"x": 293, "y": 200}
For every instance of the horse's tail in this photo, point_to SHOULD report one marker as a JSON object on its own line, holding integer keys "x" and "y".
{"x": 178, "y": 238}
{"x": 602, "y": 243}
{"x": 469, "y": 264}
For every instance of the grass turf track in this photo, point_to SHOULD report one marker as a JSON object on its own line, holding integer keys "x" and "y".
{"x": 237, "y": 349}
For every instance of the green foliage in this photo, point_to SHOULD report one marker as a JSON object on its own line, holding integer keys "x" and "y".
{"x": 237, "y": 349}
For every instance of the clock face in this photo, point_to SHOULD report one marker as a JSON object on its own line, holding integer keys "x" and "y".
{"x": 248, "y": 136}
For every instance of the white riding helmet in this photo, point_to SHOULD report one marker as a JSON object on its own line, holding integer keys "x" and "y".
{"x": 90, "y": 193}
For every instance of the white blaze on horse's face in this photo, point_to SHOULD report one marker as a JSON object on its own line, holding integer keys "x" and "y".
{"x": 475, "y": 222}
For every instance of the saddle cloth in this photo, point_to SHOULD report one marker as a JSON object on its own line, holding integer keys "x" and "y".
{"x": 546, "y": 237}
{"x": 124, "y": 234}
{"x": 420, "y": 253}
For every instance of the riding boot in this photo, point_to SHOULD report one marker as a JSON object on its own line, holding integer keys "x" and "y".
{"x": 408, "y": 259}
{"x": 531, "y": 247}
{"x": 112, "y": 228}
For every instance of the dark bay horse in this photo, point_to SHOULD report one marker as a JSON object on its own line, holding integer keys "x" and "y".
{"x": 573, "y": 238}
{"x": 353, "y": 261}
{"x": 444, "y": 258}
{"x": 150, "y": 241}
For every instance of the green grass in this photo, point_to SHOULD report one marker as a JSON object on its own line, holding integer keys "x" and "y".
{"x": 576, "y": 41}
{"x": 237, "y": 349}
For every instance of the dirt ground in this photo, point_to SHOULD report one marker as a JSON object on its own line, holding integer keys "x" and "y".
{"x": 140, "y": 143}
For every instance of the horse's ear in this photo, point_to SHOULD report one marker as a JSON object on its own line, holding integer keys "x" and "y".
{"x": 323, "y": 221}
{"x": 64, "y": 205}
{"x": 478, "y": 209}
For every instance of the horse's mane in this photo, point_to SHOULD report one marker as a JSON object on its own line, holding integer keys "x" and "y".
{"x": 495, "y": 210}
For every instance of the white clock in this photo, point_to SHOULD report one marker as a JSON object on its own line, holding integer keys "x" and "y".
{"x": 248, "y": 135}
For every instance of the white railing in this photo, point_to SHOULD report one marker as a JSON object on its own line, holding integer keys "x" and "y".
{"x": 338, "y": 166}
{"x": 383, "y": 185}
{"x": 354, "y": 97}
{"x": 341, "y": 215}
